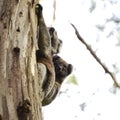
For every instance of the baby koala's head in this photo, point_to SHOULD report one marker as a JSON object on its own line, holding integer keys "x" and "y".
{"x": 56, "y": 43}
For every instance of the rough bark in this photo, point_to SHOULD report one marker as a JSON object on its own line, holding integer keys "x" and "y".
{"x": 19, "y": 85}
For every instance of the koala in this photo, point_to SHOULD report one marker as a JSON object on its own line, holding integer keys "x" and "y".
{"x": 56, "y": 43}
{"x": 52, "y": 69}
{"x": 44, "y": 54}
{"x": 62, "y": 70}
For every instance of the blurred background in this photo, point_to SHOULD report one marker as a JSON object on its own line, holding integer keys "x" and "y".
{"x": 88, "y": 93}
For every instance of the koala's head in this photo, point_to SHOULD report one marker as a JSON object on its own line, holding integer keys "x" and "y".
{"x": 56, "y": 43}
{"x": 62, "y": 68}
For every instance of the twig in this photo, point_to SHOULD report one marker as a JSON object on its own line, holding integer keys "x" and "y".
{"x": 96, "y": 57}
{"x": 54, "y": 11}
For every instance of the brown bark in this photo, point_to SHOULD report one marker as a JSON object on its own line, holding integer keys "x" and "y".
{"x": 19, "y": 85}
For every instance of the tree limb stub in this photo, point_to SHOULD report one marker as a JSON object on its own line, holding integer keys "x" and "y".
{"x": 96, "y": 57}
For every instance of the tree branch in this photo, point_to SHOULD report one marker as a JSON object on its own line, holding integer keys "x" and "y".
{"x": 95, "y": 56}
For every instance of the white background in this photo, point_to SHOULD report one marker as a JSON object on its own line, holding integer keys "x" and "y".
{"x": 94, "y": 98}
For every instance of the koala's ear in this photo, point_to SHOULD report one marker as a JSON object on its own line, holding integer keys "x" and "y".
{"x": 51, "y": 30}
{"x": 60, "y": 41}
{"x": 70, "y": 68}
{"x": 55, "y": 57}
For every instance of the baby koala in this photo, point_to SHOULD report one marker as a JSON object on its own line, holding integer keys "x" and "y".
{"x": 62, "y": 70}
{"x": 56, "y": 43}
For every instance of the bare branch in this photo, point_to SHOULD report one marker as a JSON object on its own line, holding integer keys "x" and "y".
{"x": 96, "y": 57}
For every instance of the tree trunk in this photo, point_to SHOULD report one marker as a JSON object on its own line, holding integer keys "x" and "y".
{"x": 19, "y": 85}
